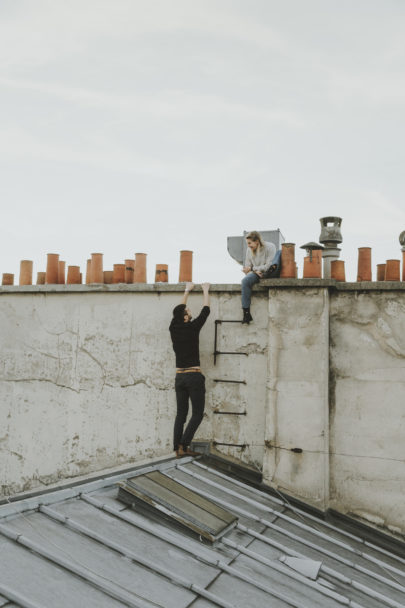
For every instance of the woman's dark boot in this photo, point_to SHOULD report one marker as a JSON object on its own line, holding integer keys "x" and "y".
{"x": 247, "y": 317}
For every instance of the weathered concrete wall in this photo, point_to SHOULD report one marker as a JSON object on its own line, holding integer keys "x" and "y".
{"x": 79, "y": 389}
{"x": 297, "y": 414}
{"x": 367, "y": 404}
{"x": 249, "y": 399}
{"x": 87, "y": 377}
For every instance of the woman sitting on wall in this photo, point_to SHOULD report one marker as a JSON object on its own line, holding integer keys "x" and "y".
{"x": 262, "y": 261}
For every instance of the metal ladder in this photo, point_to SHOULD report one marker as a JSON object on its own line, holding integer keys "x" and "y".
{"x": 216, "y": 353}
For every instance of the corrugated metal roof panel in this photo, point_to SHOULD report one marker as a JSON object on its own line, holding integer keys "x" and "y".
{"x": 83, "y": 548}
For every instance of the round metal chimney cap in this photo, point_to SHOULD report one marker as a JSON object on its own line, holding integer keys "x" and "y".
{"x": 312, "y": 246}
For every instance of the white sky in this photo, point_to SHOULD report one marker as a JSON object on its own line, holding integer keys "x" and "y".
{"x": 161, "y": 125}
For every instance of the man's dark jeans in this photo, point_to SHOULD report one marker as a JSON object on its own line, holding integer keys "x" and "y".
{"x": 189, "y": 385}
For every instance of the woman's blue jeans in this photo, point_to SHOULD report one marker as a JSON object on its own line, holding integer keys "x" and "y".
{"x": 247, "y": 283}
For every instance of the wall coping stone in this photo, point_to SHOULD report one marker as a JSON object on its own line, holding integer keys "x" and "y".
{"x": 264, "y": 286}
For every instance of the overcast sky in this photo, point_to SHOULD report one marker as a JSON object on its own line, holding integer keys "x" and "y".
{"x": 159, "y": 125}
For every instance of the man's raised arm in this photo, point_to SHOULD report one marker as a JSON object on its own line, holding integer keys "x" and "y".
{"x": 189, "y": 287}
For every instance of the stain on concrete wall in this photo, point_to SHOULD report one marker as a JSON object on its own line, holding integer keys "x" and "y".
{"x": 368, "y": 415}
{"x": 297, "y": 412}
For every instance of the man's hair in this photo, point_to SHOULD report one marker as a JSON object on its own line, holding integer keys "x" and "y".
{"x": 178, "y": 313}
{"x": 255, "y": 236}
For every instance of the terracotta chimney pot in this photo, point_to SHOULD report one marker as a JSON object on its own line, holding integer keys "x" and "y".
{"x": 73, "y": 275}
{"x": 52, "y": 268}
{"x": 119, "y": 273}
{"x": 162, "y": 273}
{"x": 96, "y": 273}
{"x": 364, "y": 264}
{"x": 186, "y": 266}
{"x": 61, "y": 272}
{"x": 129, "y": 271}
{"x": 88, "y": 272}
{"x": 140, "y": 268}
{"x": 392, "y": 270}
{"x": 380, "y": 272}
{"x": 337, "y": 270}
{"x": 108, "y": 277}
{"x": 287, "y": 261}
{"x": 26, "y": 272}
{"x": 8, "y": 279}
{"x": 41, "y": 277}
{"x": 313, "y": 269}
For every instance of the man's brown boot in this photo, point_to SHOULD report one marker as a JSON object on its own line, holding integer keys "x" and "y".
{"x": 185, "y": 451}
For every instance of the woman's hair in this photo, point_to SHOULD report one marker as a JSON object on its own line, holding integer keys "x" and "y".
{"x": 178, "y": 313}
{"x": 255, "y": 236}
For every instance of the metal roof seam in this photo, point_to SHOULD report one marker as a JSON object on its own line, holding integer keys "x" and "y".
{"x": 86, "y": 574}
{"x": 324, "y": 569}
{"x": 250, "y": 569}
{"x": 148, "y": 528}
{"x": 298, "y": 511}
{"x": 16, "y": 597}
{"x": 286, "y": 571}
{"x": 72, "y": 558}
{"x": 234, "y": 572}
{"x": 237, "y": 574}
{"x": 351, "y": 564}
{"x": 22, "y": 505}
{"x": 172, "y": 576}
{"x": 337, "y": 596}
{"x": 386, "y": 567}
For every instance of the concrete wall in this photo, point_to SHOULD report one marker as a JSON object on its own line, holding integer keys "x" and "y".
{"x": 367, "y": 405}
{"x": 87, "y": 375}
{"x": 297, "y": 414}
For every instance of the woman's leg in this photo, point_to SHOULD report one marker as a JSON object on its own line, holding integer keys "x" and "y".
{"x": 247, "y": 283}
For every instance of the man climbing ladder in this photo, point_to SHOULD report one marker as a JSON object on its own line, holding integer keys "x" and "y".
{"x": 190, "y": 382}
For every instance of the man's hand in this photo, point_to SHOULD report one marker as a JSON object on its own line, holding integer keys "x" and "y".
{"x": 188, "y": 288}
{"x": 206, "y": 289}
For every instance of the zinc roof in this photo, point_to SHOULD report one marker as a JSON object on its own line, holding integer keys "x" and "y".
{"x": 81, "y": 546}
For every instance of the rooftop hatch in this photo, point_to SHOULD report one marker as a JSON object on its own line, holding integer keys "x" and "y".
{"x": 164, "y": 498}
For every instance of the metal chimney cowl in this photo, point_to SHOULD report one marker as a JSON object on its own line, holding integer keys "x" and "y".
{"x": 402, "y": 240}
{"x": 237, "y": 244}
{"x": 331, "y": 233}
{"x": 330, "y": 237}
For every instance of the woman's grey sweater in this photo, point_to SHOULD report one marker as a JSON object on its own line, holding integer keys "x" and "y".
{"x": 261, "y": 260}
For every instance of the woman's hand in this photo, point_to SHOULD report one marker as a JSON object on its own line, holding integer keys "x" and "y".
{"x": 245, "y": 269}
